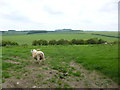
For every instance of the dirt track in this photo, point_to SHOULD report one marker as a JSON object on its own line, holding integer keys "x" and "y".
{"x": 43, "y": 76}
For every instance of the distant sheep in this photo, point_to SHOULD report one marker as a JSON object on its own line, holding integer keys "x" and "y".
{"x": 105, "y": 43}
{"x": 38, "y": 55}
{"x": 108, "y": 43}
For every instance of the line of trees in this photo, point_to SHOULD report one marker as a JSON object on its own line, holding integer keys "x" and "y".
{"x": 60, "y": 42}
{"x": 106, "y": 35}
{"x": 8, "y": 43}
{"x": 34, "y": 32}
{"x": 68, "y": 42}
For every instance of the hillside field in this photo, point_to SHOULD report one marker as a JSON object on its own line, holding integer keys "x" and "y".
{"x": 65, "y": 66}
{"x": 27, "y": 39}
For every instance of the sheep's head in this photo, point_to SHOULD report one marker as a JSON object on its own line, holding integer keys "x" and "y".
{"x": 33, "y": 50}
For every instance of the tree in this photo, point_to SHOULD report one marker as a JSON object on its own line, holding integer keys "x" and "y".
{"x": 77, "y": 41}
{"x": 35, "y": 43}
{"x": 100, "y": 41}
{"x": 9, "y": 43}
{"x": 62, "y": 42}
{"x": 52, "y": 42}
{"x": 92, "y": 41}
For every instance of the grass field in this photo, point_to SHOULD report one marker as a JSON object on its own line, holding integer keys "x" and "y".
{"x": 104, "y": 33}
{"x": 27, "y": 39}
{"x": 18, "y": 65}
{"x": 66, "y": 66}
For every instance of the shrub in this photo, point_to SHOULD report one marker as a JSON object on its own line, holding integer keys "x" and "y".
{"x": 9, "y": 43}
{"x": 100, "y": 41}
{"x": 73, "y": 41}
{"x": 42, "y": 42}
{"x": 62, "y": 42}
{"x": 92, "y": 41}
{"x": 95, "y": 41}
{"x": 14, "y": 43}
{"x": 35, "y": 42}
{"x": 52, "y": 42}
{"x": 116, "y": 42}
{"x": 45, "y": 42}
{"x": 77, "y": 41}
{"x": 39, "y": 42}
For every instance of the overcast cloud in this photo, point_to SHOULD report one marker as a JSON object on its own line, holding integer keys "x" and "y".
{"x": 100, "y": 15}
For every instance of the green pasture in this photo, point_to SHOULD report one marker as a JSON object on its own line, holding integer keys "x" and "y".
{"x": 104, "y": 33}
{"x": 27, "y": 39}
{"x": 102, "y": 58}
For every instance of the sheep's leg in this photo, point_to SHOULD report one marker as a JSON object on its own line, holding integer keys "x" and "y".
{"x": 38, "y": 57}
{"x": 43, "y": 57}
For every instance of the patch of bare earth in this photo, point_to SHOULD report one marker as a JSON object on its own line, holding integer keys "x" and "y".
{"x": 18, "y": 58}
{"x": 10, "y": 61}
{"x": 35, "y": 76}
{"x": 42, "y": 76}
{"x": 91, "y": 79}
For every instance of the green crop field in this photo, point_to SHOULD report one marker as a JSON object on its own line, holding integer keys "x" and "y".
{"x": 27, "y": 39}
{"x": 62, "y": 67}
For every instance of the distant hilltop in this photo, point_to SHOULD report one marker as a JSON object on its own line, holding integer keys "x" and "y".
{"x": 46, "y": 30}
{"x": 26, "y": 32}
{"x": 67, "y": 30}
{"x": 39, "y": 31}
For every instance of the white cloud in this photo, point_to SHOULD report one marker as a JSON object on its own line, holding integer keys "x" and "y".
{"x": 55, "y": 14}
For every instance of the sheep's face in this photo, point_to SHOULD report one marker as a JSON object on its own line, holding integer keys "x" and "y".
{"x": 33, "y": 51}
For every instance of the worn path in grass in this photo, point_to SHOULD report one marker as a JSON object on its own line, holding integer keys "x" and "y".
{"x": 44, "y": 75}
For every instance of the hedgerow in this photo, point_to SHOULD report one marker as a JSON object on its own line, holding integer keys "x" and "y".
{"x": 8, "y": 43}
{"x": 68, "y": 42}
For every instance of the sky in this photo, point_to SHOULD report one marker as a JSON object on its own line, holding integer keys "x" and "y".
{"x": 97, "y": 15}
